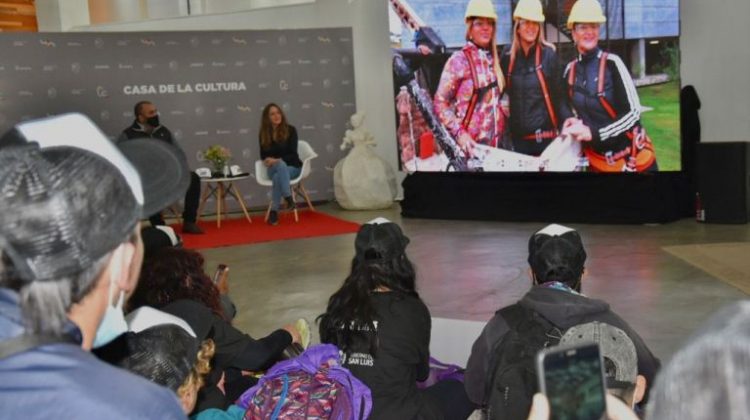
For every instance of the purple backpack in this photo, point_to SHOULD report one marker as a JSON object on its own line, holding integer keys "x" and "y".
{"x": 440, "y": 371}
{"x": 312, "y": 385}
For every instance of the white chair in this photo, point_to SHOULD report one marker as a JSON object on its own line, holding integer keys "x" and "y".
{"x": 306, "y": 154}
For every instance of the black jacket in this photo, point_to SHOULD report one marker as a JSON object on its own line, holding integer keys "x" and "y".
{"x": 135, "y": 131}
{"x": 528, "y": 110}
{"x": 234, "y": 349}
{"x": 285, "y": 150}
{"x": 607, "y": 134}
{"x": 564, "y": 310}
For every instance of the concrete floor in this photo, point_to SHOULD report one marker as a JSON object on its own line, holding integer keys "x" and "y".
{"x": 468, "y": 269}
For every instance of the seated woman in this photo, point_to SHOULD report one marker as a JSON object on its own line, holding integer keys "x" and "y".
{"x": 174, "y": 281}
{"x": 382, "y": 328}
{"x": 278, "y": 149}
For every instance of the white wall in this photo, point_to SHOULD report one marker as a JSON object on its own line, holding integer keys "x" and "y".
{"x": 715, "y": 48}
{"x": 372, "y": 56}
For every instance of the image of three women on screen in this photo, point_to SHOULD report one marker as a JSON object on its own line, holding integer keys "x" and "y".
{"x": 593, "y": 99}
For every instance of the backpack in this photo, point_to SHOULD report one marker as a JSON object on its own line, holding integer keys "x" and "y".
{"x": 512, "y": 379}
{"x": 313, "y": 385}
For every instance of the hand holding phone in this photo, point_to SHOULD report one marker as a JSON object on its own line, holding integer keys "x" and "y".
{"x": 572, "y": 379}
{"x": 616, "y": 409}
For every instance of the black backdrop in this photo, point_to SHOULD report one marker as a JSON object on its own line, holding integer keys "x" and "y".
{"x": 549, "y": 197}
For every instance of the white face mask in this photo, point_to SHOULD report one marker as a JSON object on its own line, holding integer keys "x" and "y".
{"x": 113, "y": 324}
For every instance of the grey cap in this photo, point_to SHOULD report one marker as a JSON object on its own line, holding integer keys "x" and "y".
{"x": 617, "y": 349}
{"x": 68, "y": 195}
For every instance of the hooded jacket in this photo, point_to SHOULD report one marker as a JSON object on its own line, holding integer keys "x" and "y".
{"x": 61, "y": 380}
{"x": 563, "y": 309}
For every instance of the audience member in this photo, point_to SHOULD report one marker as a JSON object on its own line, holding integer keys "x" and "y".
{"x": 556, "y": 258}
{"x": 157, "y": 237}
{"x": 382, "y": 328}
{"x": 147, "y": 125}
{"x": 174, "y": 281}
{"x": 71, "y": 250}
{"x": 164, "y": 349}
{"x": 709, "y": 378}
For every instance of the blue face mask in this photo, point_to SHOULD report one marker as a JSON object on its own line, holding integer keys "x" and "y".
{"x": 113, "y": 324}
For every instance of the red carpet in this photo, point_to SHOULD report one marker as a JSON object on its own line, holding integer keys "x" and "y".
{"x": 237, "y": 231}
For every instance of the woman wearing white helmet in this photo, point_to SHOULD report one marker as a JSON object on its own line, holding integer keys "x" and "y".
{"x": 538, "y": 105}
{"x": 604, "y": 97}
{"x": 467, "y": 100}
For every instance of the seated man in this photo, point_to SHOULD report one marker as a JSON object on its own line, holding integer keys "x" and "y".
{"x": 147, "y": 125}
{"x": 554, "y": 304}
{"x": 70, "y": 253}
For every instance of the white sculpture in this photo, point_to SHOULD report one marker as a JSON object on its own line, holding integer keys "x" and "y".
{"x": 363, "y": 180}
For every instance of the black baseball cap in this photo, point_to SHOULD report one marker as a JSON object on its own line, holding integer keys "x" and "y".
{"x": 379, "y": 239}
{"x": 556, "y": 251}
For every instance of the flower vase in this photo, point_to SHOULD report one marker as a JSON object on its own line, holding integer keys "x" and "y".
{"x": 218, "y": 169}
{"x": 225, "y": 170}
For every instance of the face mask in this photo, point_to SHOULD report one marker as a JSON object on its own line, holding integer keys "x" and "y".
{"x": 153, "y": 121}
{"x": 113, "y": 324}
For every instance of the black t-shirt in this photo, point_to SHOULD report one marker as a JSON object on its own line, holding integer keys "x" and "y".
{"x": 403, "y": 332}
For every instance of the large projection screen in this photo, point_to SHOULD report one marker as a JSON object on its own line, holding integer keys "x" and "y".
{"x": 511, "y": 128}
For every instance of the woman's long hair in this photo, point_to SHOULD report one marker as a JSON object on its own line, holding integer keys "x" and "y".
{"x": 515, "y": 46}
{"x": 172, "y": 274}
{"x": 267, "y": 131}
{"x": 350, "y": 313}
{"x": 493, "y": 50}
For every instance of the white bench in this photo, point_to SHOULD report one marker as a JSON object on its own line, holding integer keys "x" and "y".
{"x": 451, "y": 339}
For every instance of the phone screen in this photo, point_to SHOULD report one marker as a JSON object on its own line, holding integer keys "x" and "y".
{"x": 572, "y": 380}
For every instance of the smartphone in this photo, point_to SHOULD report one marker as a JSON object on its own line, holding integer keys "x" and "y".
{"x": 572, "y": 378}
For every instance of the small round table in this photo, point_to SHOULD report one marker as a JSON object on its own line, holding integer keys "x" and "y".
{"x": 219, "y": 188}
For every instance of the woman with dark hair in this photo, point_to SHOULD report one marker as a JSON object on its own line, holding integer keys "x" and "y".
{"x": 382, "y": 328}
{"x": 171, "y": 274}
{"x": 174, "y": 281}
{"x": 278, "y": 149}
